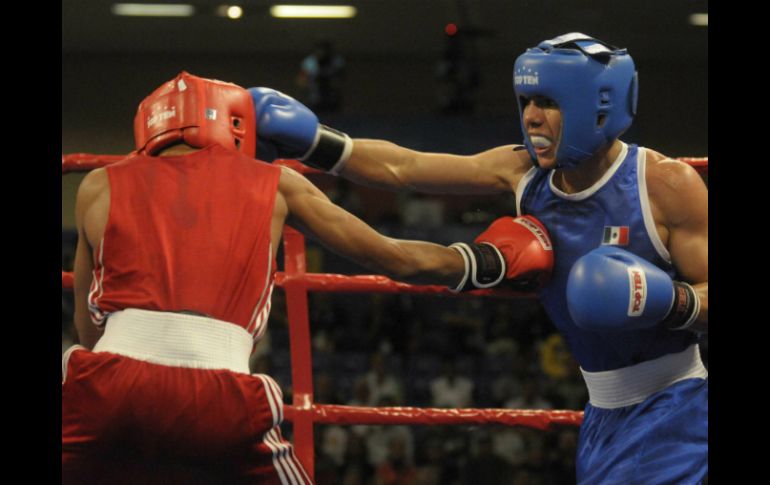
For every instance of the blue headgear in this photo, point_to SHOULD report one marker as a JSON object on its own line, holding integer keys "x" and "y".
{"x": 593, "y": 83}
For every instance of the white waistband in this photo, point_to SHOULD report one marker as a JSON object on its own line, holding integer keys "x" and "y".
{"x": 633, "y": 384}
{"x": 177, "y": 339}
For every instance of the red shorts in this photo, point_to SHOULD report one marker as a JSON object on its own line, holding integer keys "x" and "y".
{"x": 130, "y": 421}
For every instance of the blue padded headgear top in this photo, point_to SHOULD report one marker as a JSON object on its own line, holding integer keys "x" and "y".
{"x": 594, "y": 85}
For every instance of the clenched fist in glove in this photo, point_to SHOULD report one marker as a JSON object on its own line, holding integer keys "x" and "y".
{"x": 611, "y": 289}
{"x": 287, "y": 128}
{"x": 517, "y": 249}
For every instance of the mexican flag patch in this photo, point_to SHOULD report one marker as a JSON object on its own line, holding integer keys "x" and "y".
{"x": 615, "y": 235}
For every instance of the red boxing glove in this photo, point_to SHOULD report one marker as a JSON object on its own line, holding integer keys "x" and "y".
{"x": 515, "y": 248}
{"x": 525, "y": 244}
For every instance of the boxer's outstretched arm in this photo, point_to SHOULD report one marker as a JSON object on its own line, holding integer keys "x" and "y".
{"x": 287, "y": 128}
{"x": 383, "y": 164}
{"x": 310, "y": 211}
{"x": 682, "y": 198}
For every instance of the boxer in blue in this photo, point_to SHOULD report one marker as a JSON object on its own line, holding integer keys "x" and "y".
{"x": 629, "y": 227}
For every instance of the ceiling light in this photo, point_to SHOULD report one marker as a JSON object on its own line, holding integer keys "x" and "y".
{"x": 152, "y": 10}
{"x": 699, "y": 19}
{"x": 313, "y": 11}
{"x": 230, "y": 11}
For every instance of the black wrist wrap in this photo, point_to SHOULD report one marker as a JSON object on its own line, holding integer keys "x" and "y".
{"x": 685, "y": 308}
{"x": 486, "y": 268}
{"x": 328, "y": 151}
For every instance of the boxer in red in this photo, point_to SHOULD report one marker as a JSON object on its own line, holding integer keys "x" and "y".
{"x": 173, "y": 278}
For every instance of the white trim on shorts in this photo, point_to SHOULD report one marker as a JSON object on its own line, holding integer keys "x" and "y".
{"x": 285, "y": 462}
{"x": 289, "y": 468}
{"x": 633, "y": 384}
{"x": 274, "y": 397}
{"x": 65, "y": 359}
{"x": 176, "y": 339}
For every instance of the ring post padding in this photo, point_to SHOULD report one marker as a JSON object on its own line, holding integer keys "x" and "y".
{"x": 299, "y": 343}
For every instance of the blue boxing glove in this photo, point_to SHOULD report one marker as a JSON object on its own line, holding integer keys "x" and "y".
{"x": 286, "y": 128}
{"x": 612, "y": 289}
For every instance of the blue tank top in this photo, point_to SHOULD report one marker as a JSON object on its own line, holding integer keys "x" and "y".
{"x": 615, "y": 210}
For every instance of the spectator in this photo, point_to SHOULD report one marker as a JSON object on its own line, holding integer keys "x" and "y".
{"x": 530, "y": 397}
{"x": 327, "y": 470}
{"x": 397, "y": 469}
{"x": 321, "y": 75}
{"x": 509, "y": 383}
{"x": 511, "y": 444}
{"x": 450, "y": 390}
{"x": 464, "y": 321}
{"x": 356, "y": 469}
{"x": 382, "y": 383}
{"x": 430, "y": 466}
{"x": 562, "y": 449}
{"x": 378, "y": 440}
{"x": 569, "y": 392}
{"x": 499, "y": 340}
{"x": 459, "y": 75}
{"x": 485, "y": 467}
{"x": 334, "y": 443}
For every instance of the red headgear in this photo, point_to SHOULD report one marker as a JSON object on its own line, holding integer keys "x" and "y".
{"x": 198, "y": 112}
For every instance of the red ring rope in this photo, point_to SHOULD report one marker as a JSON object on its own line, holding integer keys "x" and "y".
{"x": 533, "y": 418}
{"x": 337, "y": 283}
{"x": 83, "y": 162}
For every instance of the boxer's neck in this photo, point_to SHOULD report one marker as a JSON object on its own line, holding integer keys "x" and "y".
{"x": 589, "y": 171}
{"x": 178, "y": 149}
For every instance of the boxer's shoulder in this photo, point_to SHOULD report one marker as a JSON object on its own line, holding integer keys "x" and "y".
{"x": 95, "y": 183}
{"x": 673, "y": 186}
{"x": 664, "y": 173}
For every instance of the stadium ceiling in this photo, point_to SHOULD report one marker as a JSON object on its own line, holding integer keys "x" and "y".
{"x": 659, "y": 29}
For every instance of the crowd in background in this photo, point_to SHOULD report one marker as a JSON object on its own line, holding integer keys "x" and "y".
{"x": 396, "y": 350}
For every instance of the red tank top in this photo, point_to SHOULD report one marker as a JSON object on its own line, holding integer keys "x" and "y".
{"x": 188, "y": 233}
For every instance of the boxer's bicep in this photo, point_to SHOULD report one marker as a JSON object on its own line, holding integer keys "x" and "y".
{"x": 684, "y": 203}
{"x": 686, "y": 213}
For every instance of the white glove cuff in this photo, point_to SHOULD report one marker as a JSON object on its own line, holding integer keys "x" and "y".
{"x": 465, "y": 253}
{"x": 478, "y": 255}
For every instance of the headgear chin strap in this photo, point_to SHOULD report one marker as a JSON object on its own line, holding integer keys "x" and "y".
{"x": 594, "y": 85}
{"x": 198, "y": 112}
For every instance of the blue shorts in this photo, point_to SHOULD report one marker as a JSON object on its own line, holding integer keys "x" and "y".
{"x": 659, "y": 441}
